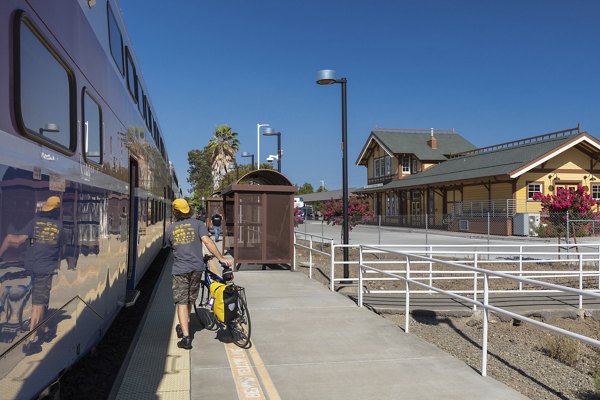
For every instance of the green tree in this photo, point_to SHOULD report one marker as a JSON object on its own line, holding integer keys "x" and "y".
{"x": 306, "y": 188}
{"x": 321, "y": 189}
{"x": 200, "y": 173}
{"x": 222, "y": 146}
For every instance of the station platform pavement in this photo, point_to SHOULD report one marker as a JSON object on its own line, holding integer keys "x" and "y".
{"x": 307, "y": 343}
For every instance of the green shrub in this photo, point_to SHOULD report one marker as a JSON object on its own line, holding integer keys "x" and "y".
{"x": 563, "y": 349}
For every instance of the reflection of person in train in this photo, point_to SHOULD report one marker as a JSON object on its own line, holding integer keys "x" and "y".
{"x": 42, "y": 260}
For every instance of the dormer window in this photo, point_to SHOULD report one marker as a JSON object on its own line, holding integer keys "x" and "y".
{"x": 382, "y": 166}
{"x": 405, "y": 165}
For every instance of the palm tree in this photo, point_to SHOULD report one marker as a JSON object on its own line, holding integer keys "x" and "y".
{"x": 222, "y": 146}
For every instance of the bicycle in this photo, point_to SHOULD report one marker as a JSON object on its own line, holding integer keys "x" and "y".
{"x": 239, "y": 327}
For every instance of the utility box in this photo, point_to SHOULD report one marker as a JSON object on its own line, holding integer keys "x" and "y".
{"x": 525, "y": 224}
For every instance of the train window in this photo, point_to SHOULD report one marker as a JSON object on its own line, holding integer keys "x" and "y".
{"x": 149, "y": 120}
{"x": 145, "y": 112}
{"x": 140, "y": 98}
{"x": 131, "y": 77}
{"x": 92, "y": 129}
{"x": 115, "y": 40}
{"x": 44, "y": 88}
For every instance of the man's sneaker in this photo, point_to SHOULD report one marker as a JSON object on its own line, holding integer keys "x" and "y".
{"x": 179, "y": 331}
{"x": 185, "y": 343}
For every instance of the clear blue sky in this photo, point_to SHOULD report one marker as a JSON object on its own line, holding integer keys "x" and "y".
{"x": 495, "y": 71}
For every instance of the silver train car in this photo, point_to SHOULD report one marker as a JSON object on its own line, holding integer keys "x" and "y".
{"x": 85, "y": 184}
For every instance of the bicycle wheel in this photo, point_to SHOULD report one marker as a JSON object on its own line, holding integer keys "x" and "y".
{"x": 239, "y": 328}
{"x": 204, "y": 312}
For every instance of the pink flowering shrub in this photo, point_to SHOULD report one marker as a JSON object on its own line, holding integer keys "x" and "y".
{"x": 359, "y": 212}
{"x": 576, "y": 203}
{"x": 298, "y": 216}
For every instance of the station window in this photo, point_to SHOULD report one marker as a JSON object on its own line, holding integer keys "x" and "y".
{"x": 596, "y": 191}
{"x": 43, "y": 89}
{"x": 92, "y": 129}
{"x": 115, "y": 40}
{"x": 131, "y": 77}
{"x": 405, "y": 165}
{"x": 533, "y": 188}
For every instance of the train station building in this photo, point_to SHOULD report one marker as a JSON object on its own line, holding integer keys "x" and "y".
{"x": 438, "y": 179}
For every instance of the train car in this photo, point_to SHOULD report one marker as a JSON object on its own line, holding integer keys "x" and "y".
{"x": 85, "y": 184}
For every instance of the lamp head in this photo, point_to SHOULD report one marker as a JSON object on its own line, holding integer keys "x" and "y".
{"x": 246, "y": 154}
{"x": 326, "y": 77}
{"x": 270, "y": 132}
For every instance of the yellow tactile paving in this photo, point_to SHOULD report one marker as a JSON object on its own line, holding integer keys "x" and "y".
{"x": 158, "y": 369}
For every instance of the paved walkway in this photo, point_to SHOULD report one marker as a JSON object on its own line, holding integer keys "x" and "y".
{"x": 307, "y": 343}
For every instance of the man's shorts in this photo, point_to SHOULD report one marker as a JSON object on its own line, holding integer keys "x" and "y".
{"x": 186, "y": 287}
{"x": 40, "y": 291}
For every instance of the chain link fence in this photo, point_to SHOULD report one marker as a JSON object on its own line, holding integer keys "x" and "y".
{"x": 565, "y": 226}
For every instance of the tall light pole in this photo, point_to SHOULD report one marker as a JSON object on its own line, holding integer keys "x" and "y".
{"x": 258, "y": 126}
{"x": 271, "y": 132}
{"x": 246, "y": 154}
{"x": 327, "y": 77}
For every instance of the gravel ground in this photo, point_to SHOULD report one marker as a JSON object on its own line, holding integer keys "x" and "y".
{"x": 517, "y": 353}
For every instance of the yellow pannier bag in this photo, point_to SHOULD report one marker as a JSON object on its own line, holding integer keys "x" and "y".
{"x": 225, "y": 306}
{"x": 216, "y": 292}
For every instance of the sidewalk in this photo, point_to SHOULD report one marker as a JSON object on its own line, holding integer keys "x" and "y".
{"x": 308, "y": 343}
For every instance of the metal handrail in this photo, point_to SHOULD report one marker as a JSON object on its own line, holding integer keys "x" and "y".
{"x": 311, "y": 249}
{"x": 485, "y": 304}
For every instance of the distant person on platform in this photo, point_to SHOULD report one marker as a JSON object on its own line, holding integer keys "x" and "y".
{"x": 42, "y": 259}
{"x": 216, "y": 223}
{"x": 185, "y": 236}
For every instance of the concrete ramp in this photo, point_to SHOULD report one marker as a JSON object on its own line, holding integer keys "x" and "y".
{"x": 310, "y": 343}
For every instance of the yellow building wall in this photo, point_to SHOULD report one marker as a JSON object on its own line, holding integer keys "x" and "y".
{"x": 426, "y": 166}
{"x": 475, "y": 193}
{"x": 395, "y": 166}
{"x": 502, "y": 191}
{"x": 569, "y": 166}
{"x": 570, "y": 159}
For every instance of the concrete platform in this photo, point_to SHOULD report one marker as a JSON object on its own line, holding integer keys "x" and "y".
{"x": 307, "y": 343}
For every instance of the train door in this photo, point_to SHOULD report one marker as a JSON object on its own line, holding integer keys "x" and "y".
{"x": 133, "y": 223}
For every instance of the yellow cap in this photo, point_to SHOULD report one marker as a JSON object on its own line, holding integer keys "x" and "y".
{"x": 50, "y": 204}
{"x": 181, "y": 205}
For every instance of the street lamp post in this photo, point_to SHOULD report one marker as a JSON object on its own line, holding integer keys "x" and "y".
{"x": 327, "y": 77}
{"x": 246, "y": 154}
{"x": 271, "y": 132}
{"x": 258, "y": 126}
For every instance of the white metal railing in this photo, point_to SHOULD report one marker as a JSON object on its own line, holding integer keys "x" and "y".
{"x": 480, "y": 208}
{"x": 581, "y": 260}
{"x": 580, "y": 265}
{"x": 312, "y": 249}
{"x": 406, "y": 276}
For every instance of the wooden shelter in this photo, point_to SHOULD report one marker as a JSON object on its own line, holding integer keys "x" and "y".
{"x": 259, "y": 217}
